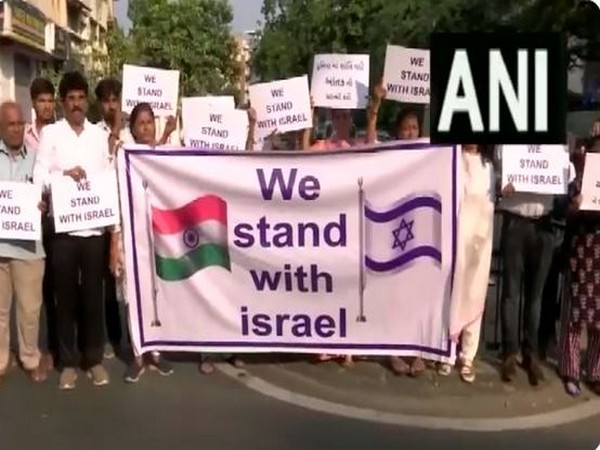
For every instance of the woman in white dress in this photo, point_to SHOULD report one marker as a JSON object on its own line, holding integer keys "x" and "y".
{"x": 473, "y": 255}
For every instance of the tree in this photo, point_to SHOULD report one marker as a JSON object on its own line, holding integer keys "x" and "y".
{"x": 294, "y": 30}
{"x": 192, "y": 36}
{"x": 119, "y": 50}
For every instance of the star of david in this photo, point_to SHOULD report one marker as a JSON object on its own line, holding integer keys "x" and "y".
{"x": 403, "y": 234}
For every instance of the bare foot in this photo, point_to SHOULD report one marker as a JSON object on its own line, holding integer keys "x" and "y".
{"x": 206, "y": 368}
{"x": 399, "y": 366}
{"x": 417, "y": 367}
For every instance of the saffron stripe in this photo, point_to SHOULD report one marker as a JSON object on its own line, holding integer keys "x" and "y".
{"x": 176, "y": 269}
{"x": 208, "y": 207}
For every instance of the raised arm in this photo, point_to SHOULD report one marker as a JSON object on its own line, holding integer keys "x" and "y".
{"x": 307, "y": 132}
{"x": 251, "y": 128}
{"x": 170, "y": 126}
{"x": 379, "y": 94}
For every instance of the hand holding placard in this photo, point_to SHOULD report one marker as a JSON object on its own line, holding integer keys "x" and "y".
{"x": 77, "y": 173}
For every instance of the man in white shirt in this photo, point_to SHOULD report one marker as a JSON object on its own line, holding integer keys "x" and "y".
{"x": 73, "y": 147}
{"x": 528, "y": 241}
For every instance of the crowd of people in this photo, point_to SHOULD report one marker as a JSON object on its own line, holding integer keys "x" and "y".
{"x": 75, "y": 277}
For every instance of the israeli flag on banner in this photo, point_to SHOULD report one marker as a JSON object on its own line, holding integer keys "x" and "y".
{"x": 398, "y": 234}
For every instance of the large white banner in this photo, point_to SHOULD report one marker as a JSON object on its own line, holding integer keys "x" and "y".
{"x": 346, "y": 252}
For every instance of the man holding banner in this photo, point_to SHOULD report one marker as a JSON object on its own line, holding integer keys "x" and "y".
{"x": 75, "y": 148}
{"x": 21, "y": 260}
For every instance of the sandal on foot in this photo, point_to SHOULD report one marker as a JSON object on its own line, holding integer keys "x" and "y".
{"x": 467, "y": 373}
{"x": 444, "y": 370}
{"x": 39, "y": 374}
{"x": 236, "y": 362}
{"x": 572, "y": 387}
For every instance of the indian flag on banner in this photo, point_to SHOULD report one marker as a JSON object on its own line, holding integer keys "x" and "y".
{"x": 190, "y": 238}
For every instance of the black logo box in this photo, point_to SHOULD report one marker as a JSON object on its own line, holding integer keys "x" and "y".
{"x": 478, "y": 47}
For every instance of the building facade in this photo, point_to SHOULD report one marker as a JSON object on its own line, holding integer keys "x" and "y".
{"x": 39, "y": 35}
{"x": 88, "y": 22}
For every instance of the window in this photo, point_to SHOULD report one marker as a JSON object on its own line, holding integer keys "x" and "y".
{"x": 22, "y": 70}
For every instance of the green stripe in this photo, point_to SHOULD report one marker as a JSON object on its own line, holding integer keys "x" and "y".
{"x": 176, "y": 269}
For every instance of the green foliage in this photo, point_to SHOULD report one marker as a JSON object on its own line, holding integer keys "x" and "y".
{"x": 294, "y": 30}
{"x": 192, "y": 36}
{"x": 119, "y": 50}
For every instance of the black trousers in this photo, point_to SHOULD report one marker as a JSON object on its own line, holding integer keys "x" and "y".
{"x": 79, "y": 308}
{"x": 527, "y": 247}
{"x": 48, "y": 288}
{"x": 552, "y": 299}
{"x": 113, "y": 316}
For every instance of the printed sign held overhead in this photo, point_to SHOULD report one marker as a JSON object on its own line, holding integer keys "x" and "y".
{"x": 406, "y": 74}
{"x": 340, "y": 81}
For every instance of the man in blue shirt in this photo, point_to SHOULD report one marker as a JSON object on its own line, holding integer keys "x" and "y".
{"x": 21, "y": 262}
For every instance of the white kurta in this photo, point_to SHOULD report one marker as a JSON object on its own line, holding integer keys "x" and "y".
{"x": 474, "y": 250}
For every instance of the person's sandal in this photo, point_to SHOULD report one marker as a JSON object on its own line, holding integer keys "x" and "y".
{"x": 236, "y": 362}
{"x": 39, "y": 374}
{"x": 572, "y": 387}
{"x": 444, "y": 369}
{"x": 467, "y": 373}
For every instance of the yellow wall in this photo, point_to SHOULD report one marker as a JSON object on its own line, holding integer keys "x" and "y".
{"x": 55, "y": 10}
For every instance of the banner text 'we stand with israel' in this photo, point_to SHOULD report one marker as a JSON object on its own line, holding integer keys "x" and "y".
{"x": 344, "y": 252}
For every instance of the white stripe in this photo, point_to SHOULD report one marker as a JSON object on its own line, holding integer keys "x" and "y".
{"x": 174, "y": 245}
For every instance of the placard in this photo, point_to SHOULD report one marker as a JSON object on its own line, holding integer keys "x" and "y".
{"x": 192, "y": 106}
{"x": 541, "y": 169}
{"x": 282, "y": 105}
{"x": 218, "y": 129}
{"x": 590, "y": 184}
{"x": 158, "y": 87}
{"x": 406, "y": 74}
{"x": 20, "y": 216}
{"x": 340, "y": 81}
{"x": 90, "y": 203}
